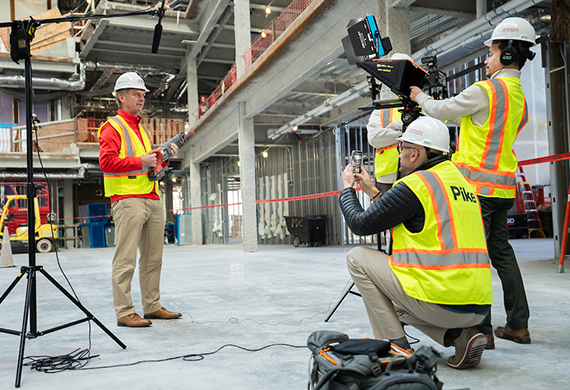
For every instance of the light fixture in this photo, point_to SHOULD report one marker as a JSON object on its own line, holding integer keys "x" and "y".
{"x": 174, "y": 179}
{"x": 267, "y": 10}
{"x": 239, "y": 165}
{"x": 295, "y": 128}
{"x": 263, "y": 34}
{"x": 265, "y": 154}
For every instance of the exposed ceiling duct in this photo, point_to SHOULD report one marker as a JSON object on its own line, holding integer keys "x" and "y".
{"x": 71, "y": 84}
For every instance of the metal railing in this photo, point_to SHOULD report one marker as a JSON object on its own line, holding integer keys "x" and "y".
{"x": 274, "y": 29}
{"x": 54, "y": 137}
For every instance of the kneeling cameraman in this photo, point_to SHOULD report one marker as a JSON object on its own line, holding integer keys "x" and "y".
{"x": 438, "y": 277}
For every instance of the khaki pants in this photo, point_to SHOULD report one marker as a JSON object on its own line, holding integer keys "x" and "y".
{"x": 387, "y": 304}
{"x": 139, "y": 222}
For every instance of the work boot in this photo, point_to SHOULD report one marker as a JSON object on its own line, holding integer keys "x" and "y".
{"x": 521, "y": 336}
{"x": 490, "y": 341}
{"x": 469, "y": 347}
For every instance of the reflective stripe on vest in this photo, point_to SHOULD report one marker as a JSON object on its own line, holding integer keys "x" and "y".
{"x": 450, "y": 253}
{"x": 484, "y": 153}
{"x": 132, "y": 182}
{"x": 386, "y": 159}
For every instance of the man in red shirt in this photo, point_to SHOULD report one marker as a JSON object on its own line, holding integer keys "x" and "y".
{"x": 125, "y": 158}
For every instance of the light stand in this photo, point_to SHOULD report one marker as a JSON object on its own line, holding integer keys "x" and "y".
{"x": 21, "y": 37}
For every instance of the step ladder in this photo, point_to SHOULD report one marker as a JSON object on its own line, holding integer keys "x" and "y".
{"x": 525, "y": 198}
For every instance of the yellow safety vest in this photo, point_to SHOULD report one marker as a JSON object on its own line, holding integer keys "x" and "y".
{"x": 134, "y": 182}
{"x": 386, "y": 159}
{"x": 446, "y": 262}
{"x": 485, "y": 153}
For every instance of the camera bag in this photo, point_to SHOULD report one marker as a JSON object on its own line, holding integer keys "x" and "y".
{"x": 340, "y": 363}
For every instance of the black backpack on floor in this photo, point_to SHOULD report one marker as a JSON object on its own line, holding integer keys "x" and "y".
{"x": 340, "y": 363}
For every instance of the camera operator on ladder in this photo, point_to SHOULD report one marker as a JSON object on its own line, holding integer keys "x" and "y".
{"x": 491, "y": 114}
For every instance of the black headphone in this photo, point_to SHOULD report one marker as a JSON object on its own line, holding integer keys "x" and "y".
{"x": 509, "y": 54}
{"x": 512, "y": 52}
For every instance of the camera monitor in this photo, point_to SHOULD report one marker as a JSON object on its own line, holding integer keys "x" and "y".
{"x": 363, "y": 41}
{"x": 398, "y": 75}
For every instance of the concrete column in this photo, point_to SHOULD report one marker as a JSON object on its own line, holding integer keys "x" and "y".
{"x": 242, "y": 31}
{"x": 168, "y": 201}
{"x": 68, "y": 208}
{"x": 246, "y": 140}
{"x": 196, "y": 201}
{"x": 396, "y": 24}
{"x": 192, "y": 87}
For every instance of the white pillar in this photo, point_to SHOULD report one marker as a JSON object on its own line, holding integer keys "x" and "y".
{"x": 246, "y": 140}
{"x": 196, "y": 201}
{"x": 396, "y": 24}
{"x": 242, "y": 32}
{"x": 192, "y": 87}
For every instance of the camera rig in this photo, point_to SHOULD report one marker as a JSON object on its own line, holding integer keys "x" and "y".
{"x": 364, "y": 48}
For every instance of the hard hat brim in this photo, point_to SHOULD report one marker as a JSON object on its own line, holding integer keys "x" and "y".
{"x": 489, "y": 42}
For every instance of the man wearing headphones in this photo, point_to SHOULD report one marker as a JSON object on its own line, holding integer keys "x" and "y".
{"x": 491, "y": 113}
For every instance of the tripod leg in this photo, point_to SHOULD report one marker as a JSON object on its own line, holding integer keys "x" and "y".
{"x": 11, "y": 287}
{"x": 344, "y": 294}
{"x": 82, "y": 308}
{"x": 31, "y": 275}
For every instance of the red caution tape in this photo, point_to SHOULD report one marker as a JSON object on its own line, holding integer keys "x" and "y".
{"x": 540, "y": 160}
{"x": 294, "y": 198}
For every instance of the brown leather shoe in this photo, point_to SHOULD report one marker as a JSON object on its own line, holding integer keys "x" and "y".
{"x": 162, "y": 314}
{"x": 490, "y": 341}
{"x": 521, "y": 336}
{"x": 133, "y": 320}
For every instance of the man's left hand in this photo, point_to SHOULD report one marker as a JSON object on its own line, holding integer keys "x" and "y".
{"x": 174, "y": 149}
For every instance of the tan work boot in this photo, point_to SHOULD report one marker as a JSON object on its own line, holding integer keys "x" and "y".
{"x": 469, "y": 347}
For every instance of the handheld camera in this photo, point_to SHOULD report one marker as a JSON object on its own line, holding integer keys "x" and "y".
{"x": 356, "y": 159}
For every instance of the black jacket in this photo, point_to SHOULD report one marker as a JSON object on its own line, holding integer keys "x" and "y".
{"x": 398, "y": 205}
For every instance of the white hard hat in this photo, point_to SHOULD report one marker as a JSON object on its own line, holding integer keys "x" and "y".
{"x": 516, "y": 29}
{"x": 400, "y": 56}
{"x": 130, "y": 80}
{"x": 429, "y": 132}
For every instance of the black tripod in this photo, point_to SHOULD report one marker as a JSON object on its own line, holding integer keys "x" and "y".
{"x": 20, "y": 39}
{"x": 21, "y": 36}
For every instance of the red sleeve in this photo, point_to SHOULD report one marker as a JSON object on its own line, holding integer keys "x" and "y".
{"x": 109, "y": 147}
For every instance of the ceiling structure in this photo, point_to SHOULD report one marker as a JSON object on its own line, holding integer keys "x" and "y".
{"x": 204, "y": 30}
{"x": 110, "y": 47}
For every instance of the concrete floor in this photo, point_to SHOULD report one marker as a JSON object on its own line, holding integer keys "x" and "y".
{"x": 278, "y": 295}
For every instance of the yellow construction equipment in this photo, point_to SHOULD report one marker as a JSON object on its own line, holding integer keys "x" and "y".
{"x": 46, "y": 234}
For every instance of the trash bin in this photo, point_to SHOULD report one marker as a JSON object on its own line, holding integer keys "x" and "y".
{"x": 310, "y": 230}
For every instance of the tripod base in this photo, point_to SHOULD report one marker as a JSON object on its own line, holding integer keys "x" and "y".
{"x": 347, "y": 291}
{"x": 30, "y": 295}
